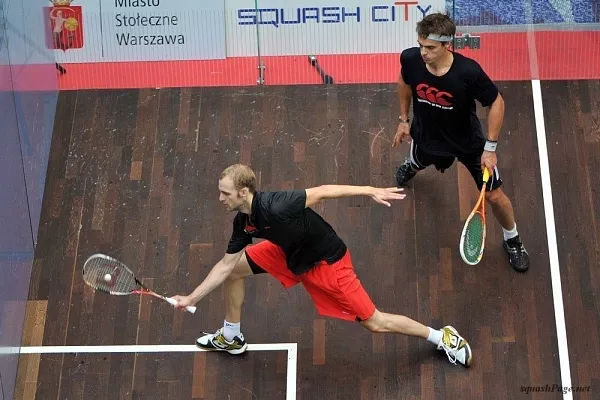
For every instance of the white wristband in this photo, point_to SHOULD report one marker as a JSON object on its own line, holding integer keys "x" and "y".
{"x": 490, "y": 146}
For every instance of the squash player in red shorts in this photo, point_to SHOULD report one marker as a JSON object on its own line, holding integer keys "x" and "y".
{"x": 300, "y": 247}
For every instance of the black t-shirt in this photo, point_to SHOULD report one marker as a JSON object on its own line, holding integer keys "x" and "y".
{"x": 444, "y": 112}
{"x": 283, "y": 219}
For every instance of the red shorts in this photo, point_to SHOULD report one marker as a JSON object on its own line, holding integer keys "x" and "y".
{"x": 334, "y": 288}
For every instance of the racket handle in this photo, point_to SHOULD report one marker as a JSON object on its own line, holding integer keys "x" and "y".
{"x": 191, "y": 309}
{"x": 486, "y": 174}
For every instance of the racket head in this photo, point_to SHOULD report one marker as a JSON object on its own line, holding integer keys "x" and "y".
{"x": 122, "y": 281}
{"x": 472, "y": 239}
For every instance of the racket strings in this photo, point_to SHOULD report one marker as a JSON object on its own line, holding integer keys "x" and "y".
{"x": 121, "y": 280}
{"x": 473, "y": 242}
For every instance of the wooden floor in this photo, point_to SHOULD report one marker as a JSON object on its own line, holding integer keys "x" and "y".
{"x": 573, "y": 132}
{"x": 133, "y": 173}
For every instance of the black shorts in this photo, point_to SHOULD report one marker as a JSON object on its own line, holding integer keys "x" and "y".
{"x": 422, "y": 160}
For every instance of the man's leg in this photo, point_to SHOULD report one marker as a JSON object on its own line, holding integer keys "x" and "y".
{"x": 502, "y": 209}
{"x": 338, "y": 293}
{"x": 518, "y": 257}
{"x": 263, "y": 257}
{"x": 419, "y": 160}
{"x": 230, "y": 338}
{"x": 381, "y": 322}
{"x": 234, "y": 297}
{"x": 456, "y": 347}
{"x": 411, "y": 166}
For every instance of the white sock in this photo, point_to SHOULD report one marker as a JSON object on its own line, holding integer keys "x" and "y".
{"x": 231, "y": 330}
{"x": 510, "y": 234}
{"x": 435, "y": 336}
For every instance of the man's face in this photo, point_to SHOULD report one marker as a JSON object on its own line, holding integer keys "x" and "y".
{"x": 432, "y": 50}
{"x": 229, "y": 196}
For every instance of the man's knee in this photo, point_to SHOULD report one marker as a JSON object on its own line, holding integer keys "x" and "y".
{"x": 496, "y": 196}
{"x": 376, "y": 323}
{"x": 241, "y": 270}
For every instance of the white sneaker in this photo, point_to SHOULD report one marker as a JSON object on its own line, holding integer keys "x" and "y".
{"x": 455, "y": 346}
{"x": 216, "y": 341}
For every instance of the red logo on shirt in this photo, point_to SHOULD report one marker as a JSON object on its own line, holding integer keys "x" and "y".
{"x": 250, "y": 229}
{"x": 433, "y": 96}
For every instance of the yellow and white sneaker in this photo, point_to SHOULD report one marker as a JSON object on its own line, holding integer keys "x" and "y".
{"x": 216, "y": 341}
{"x": 456, "y": 347}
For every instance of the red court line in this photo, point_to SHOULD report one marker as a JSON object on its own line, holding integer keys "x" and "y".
{"x": 505, "y": 56}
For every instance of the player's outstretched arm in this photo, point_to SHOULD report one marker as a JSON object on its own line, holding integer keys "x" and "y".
{"x": 380, "y": 195}
{"x": 215, "y": 277}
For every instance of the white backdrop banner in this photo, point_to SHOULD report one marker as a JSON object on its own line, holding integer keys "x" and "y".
{"x": 136, "y": 30}
{"x": 292, "y": 27}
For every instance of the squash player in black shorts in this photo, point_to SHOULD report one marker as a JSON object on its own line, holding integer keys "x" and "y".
{"x": 445, "y": 127}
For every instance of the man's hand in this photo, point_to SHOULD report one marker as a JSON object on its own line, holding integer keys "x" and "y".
{"x": 489, "y": 160}
{"x": 183, "y": 302}
{"x": 402, "y": 133}
{"x": 380, "y": 195}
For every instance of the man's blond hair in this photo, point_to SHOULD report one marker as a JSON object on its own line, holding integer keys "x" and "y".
{"x": 241, "y": 175}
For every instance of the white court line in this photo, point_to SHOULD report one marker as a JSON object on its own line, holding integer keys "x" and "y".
{"x": 559, "y": 311}
{"x": 291, "y": 348}
{"x": 291, "y": 371}
{"x": 176, "y": 348}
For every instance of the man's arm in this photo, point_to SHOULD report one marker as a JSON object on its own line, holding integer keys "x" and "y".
{"x": 495, "y": 118}
{"x": 405, "y": 98}
{"x": 380, "y": 195}
{"x": 215, "y": 277}
{"x": 487, "y": 93}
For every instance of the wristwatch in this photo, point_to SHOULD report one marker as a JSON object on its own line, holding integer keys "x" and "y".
{"x": 404, "y": 121}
